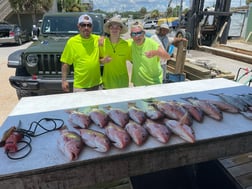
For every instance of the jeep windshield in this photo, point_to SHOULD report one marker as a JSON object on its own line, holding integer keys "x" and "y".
{"x": 65, "y": 25}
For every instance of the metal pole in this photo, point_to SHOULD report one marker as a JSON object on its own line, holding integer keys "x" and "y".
{"x": 181, "y": 9}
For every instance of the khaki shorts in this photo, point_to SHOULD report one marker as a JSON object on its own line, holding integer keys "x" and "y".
{"x": 98, "y": 87}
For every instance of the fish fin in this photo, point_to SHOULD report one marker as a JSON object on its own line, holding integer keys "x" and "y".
{"x": 69, "y": 111}
{"x": 215, "y": 94}
{"x": 248, "y": 115}
{"x": 94, "y": 107}
{"x": 84, "y": 110}
{"x": 63, "y": 127}
{"x": 149, "y": 100}
{"x": 187, "y": 98}
{"x": 108, "y": 107}
{"x": 182, "y": 120}
{"x": 131, "y": 104}
{"x": 77, "y": 127}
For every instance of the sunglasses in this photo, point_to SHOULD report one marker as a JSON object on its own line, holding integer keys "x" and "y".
{"x": 85, "y": 25}
{"x": 136, "y": 34}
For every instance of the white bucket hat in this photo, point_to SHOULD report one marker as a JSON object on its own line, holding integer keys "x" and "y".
{"x": 165, "y": 26}
{"x": 117, "y": 21}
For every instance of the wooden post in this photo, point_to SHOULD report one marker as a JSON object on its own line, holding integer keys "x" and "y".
{"x": 180, "y": 57}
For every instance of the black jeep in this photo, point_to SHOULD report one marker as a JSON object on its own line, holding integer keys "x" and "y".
{"x": 38, "y": 67}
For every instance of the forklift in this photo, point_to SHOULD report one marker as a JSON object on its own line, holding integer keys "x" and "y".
{"x": 201, "y": 26}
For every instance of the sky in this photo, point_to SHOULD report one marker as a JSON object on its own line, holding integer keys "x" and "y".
{"x": 136, "y": 5}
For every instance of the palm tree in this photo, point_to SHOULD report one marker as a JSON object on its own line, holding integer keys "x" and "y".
{"x": 33, "y": 6}
{"x": 155, "y": 14}
{"x": 143, "y": 11}
{"x": 248, "y": 2}
{"x": 73, "y": 6}
{"x": 16, "y": 5}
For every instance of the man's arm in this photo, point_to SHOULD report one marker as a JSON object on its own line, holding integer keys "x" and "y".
{"x": 176, "y": 40}
{"x": 160, "y": 52}
{"x": 64, "y": 72}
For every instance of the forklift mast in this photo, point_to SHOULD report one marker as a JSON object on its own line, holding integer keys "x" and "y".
{"x": 207, "y": 25}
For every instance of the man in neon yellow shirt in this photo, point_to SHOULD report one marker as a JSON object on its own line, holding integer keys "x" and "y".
{"x": 146, "y": 54}
{"x": 114, "y": 53}
{"x": 82, "y": 51}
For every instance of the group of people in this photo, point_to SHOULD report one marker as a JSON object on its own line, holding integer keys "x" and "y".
{"x": 87, "y": 51}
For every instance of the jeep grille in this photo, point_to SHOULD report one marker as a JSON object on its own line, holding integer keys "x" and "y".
{"x": 49, "y": 64}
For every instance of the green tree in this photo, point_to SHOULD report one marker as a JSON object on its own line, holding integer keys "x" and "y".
{"x": 37, "y": 5}
{"x": 46, "y": 4}
{"x": 84, "y": 8}
{"x": 75, "y": 8}
{"x": 248, "y": 2}
{"x": 16, "y": 5}
{"x": 143, "y": 11}
{"x": 72, "y": 6}
{"x": 33, "y": 6}
{"x": 169, "y": 12}
{"x": 155, "y": 14}
{"x": 175, "y": 11}
{"x": 68, "y": 5}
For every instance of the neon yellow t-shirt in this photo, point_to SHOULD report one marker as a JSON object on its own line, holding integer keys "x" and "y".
{"x": 83, "y": 54}
{"x": 145, "y": 71}
{"x": 115, "y": 73}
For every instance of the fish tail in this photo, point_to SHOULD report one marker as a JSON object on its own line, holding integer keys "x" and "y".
{"x": 183, "y": 119}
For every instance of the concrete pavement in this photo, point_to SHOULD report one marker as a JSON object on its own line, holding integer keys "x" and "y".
{"x": 223, "y": 63}
{"x": 8, "y": 94}
{"x": 8, "y": 97}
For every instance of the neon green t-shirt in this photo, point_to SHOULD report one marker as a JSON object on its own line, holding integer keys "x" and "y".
{"x": 115, "y": 73}
{"x": 83, "y": 54}
{"x": 145, "y": 71}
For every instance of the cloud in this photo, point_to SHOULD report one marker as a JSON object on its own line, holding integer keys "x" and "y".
{"x": 136, "y": 5}
{"x": 125, "y": 5}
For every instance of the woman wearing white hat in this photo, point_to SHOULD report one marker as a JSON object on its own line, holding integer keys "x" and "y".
{"x": 114, "y": 53}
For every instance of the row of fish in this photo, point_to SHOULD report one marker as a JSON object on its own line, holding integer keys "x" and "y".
{"x": 157, "y": 118}
{"x": 242, "y": 102}
{"x": 71, "y": 143}
{"x": 156, "y": 109}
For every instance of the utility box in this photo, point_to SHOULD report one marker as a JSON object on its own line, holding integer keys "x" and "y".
{"x": 171, "y": 77}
